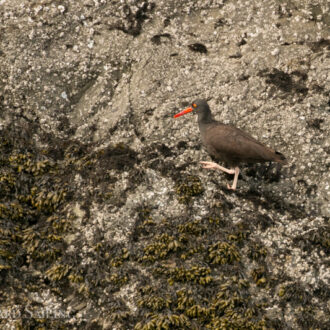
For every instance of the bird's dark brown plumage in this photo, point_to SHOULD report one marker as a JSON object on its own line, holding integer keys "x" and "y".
{"x": 228, "y": 143}
{"x": 233, "y": 146}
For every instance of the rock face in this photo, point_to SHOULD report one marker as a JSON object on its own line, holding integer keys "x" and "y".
{"x": 107, "y": 219}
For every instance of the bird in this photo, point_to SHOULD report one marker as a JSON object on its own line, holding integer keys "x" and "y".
{"x": 229, "y": 144}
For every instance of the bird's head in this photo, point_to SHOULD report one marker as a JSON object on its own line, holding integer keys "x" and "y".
{"x": 197, "y": 106}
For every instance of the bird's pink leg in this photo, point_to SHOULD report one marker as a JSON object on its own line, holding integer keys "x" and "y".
{"x": 233, "y": 187}
{"x": 215, "y": 166}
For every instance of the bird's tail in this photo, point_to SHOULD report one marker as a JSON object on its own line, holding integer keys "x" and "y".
{"x": 280, "y": 158}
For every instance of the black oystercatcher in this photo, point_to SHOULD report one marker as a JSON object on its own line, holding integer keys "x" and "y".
{"x": 228, "y": 143}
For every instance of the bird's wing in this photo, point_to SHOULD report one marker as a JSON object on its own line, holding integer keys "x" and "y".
{"x": 234, "y": 145}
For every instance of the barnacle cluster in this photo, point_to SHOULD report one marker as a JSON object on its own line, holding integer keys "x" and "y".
{"x": 319, "y": 237}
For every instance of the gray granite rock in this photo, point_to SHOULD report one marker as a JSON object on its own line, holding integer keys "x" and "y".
{"x": 108, "y": 219}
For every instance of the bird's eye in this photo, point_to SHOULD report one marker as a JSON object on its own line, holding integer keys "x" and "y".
{"x": 194, "y": 105}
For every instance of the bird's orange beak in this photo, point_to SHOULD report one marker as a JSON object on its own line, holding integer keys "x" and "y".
{"x": 183, "y": 112}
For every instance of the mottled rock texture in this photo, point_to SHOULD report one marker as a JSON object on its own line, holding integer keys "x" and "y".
{"x": 107, "y": 220}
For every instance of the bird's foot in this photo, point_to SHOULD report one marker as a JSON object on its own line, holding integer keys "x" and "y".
{"x": 231, "y": 187}
{"x": 215, "y": 166}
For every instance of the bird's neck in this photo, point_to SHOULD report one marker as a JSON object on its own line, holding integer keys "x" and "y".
{"x": 205, "y": 117}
